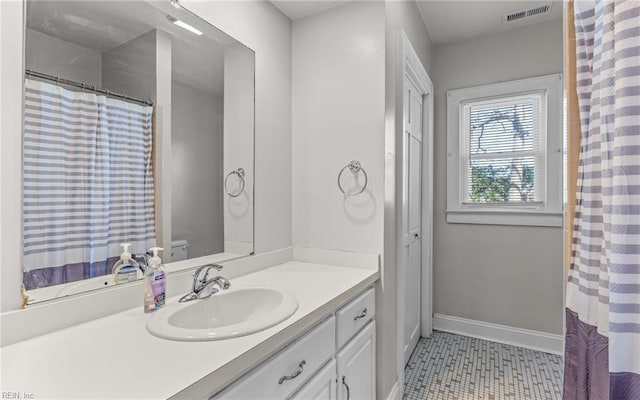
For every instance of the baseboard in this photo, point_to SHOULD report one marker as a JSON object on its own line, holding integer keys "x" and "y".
{"x": 395, "y": 392}
{"x": 535, "y": 340}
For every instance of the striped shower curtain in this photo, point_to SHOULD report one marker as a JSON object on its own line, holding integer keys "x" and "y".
{"x": 87, "y": 182}
{"x": 602, "y": 351}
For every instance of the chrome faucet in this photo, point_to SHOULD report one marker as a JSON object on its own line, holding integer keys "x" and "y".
{"x": 202, "y": 286}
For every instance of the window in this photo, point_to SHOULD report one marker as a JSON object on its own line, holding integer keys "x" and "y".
{"x": 505, "y": 153}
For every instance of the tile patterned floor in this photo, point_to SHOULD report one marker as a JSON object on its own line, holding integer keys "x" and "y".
{"x": 454, "y": 367}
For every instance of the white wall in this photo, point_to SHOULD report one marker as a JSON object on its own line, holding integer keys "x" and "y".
{"x": 339, "y": 103}
{"x": 11, "y": 75}
{"x": 264, "y": 29}
{"x": 338, "y": 116}
{"x": 49, "y": 55}
{"x": 507, "y": 275}
{"x": 196, "y": 161}
{"x": 239, "y": 109}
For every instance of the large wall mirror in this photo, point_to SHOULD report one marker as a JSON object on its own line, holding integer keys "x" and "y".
{"x": 138, "y": 128}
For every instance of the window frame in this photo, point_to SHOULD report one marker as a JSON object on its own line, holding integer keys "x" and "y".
{"x": 549, "y": 213}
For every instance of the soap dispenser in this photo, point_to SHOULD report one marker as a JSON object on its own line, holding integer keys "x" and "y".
{"x": 154, "y": 283}
{"x": 126, "y": 268}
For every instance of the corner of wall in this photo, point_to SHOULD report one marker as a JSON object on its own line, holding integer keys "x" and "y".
{"x": 11, "y": 81}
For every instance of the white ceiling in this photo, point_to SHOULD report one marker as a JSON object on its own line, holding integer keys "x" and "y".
{"x": 301, "y": 8}
{"x": 197, "y": 61}
{"x": 447, "y": 20}
{"x": 453, "y": 21}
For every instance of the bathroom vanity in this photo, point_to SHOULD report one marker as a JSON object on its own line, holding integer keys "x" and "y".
{"x": 340, "y": 350}
{"x": 325, "y": 350}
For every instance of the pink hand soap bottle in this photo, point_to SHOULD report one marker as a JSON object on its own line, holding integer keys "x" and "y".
{"x": 155, "y": 283}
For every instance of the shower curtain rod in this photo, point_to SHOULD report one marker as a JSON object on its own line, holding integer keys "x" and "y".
{"x": 84, "y": 86}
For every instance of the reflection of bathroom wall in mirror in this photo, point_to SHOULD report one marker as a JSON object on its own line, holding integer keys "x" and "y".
{"x": 139, "y": 128}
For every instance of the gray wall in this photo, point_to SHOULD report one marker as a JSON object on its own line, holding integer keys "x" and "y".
{"x": 196, "y": 147}
{"x": 131, "y": 67}
{"x": 399, "y": 16}
{"x": 509, "y": 275}
{"x": 49, "y": 55}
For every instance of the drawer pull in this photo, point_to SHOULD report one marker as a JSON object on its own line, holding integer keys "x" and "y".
{"x": 344, "y": 382}
{"x": 361, "y": 315}
{"x": 295, "y": 374}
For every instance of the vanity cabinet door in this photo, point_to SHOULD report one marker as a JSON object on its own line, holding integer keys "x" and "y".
{"x": 357, "y": 366}
{"x": 321, "y": 387}
{"x": 281, "y": 376}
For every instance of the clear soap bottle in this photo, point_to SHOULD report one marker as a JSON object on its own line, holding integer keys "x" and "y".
{"x": 155, "y": 283}
{"x": 126, "y": 269}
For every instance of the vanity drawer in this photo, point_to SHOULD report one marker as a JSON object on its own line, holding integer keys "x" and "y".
{"x": 354, "y": 316}
{"x": 297, "y": 362}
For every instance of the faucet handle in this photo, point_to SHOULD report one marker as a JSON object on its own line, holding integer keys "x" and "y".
{"x": 206, "y": 269}
{"x": 207, "y": 290}
{"x": 222, "y": 282}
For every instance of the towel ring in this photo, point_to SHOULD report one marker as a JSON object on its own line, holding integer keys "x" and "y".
{"x": 355, "y": 167}
{"x": 240, "y": 173}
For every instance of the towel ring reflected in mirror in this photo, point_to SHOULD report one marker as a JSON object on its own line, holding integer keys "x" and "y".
{"x": 355, "y": 167}
{"x": 240, "y": 173}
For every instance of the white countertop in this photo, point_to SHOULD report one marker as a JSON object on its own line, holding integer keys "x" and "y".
{"x": 115, "y": 357}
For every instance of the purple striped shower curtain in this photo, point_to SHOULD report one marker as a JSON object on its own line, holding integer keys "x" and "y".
{"x": 87, "y": 183}
{"x": 602, "y": 350}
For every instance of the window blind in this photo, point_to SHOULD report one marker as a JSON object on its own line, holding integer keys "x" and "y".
{"x": 503, "y": 150}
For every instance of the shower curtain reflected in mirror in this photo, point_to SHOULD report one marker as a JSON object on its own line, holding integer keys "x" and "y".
{"x": 88, "y": 183}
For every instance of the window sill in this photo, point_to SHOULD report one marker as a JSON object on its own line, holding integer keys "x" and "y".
{"x": 504, "y": 217}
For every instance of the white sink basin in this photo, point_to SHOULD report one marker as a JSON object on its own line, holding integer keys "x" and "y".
{"x": 230, "y": 313}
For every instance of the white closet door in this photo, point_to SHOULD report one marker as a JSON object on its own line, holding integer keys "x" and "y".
{"x": 412, "y": 214}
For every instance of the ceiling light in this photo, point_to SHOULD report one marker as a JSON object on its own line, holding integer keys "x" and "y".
{"x": 184, "y": 25}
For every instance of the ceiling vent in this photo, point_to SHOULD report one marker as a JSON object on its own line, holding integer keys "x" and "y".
{"x": 526, "y": 13}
